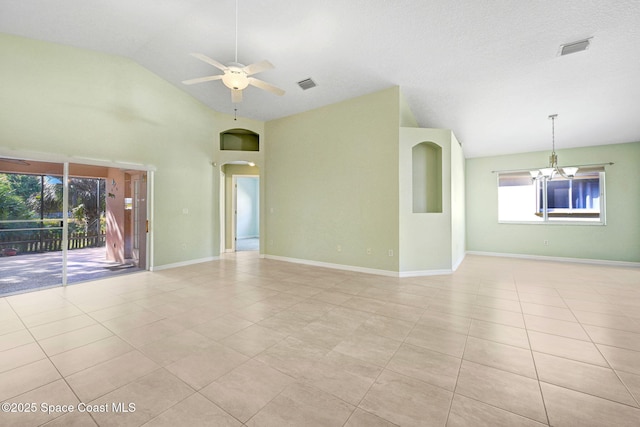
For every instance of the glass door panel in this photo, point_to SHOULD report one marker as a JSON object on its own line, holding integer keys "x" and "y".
{"x": 87, "y": 254}
{"x": 31, "y": 225}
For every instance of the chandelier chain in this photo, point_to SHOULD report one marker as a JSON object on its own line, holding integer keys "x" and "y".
{"x": 553, "y": 134}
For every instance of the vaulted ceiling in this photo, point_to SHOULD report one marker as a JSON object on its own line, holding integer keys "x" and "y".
{"x": 489, "y": 70}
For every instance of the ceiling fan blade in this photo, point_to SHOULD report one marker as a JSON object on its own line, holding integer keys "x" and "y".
{"x": 202, "y": 79}
{"x": 236, "y": 96}
{"x": 265, "y": 86}
{"x": 210, "y": 61}
{"x": 258, "y": 67}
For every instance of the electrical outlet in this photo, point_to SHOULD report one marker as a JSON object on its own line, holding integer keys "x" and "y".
{"x": 546, "y": 243}
{"x": 368, "y": 251}
{"x": 339, "y": 248}
{"x": 390, "y": 252}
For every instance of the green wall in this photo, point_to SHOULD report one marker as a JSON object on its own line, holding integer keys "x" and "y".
{"x": 332, "y": 179}
{"x": 431, "y": 242}
{"x": 618, "y": 240}
{"x": 73, "y": 103}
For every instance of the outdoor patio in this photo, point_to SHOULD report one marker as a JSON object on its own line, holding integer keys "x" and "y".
{"x": 34, "y": 271}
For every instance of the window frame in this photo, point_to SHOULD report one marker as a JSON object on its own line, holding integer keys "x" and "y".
{"x": 545, "y": 219}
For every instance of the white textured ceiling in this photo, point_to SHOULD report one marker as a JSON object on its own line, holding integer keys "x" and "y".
{"x": 487, "y": 69}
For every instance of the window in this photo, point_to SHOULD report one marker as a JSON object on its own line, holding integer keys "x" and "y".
{"x": 525, "y": 200}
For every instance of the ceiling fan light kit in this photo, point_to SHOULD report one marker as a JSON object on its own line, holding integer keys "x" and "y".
{"x": 234, "y": 78}
{"x": 236, "y": 75}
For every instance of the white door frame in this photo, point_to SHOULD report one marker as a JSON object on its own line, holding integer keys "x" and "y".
{"x": 222, "y": 207}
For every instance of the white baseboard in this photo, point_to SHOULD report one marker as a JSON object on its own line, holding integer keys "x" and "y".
{"x": 420, "y": 273}
{"x": 559, "y": 259}
{"x": 184, "y": 263}
{"x": 357, "y": 269}
{"x": 334, "y": 266}
{"x": 458, "y": 262}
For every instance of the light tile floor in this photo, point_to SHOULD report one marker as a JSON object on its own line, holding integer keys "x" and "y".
{"x": 248, "y": 341}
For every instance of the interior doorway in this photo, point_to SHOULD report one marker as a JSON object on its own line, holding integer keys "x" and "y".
{"x": 247, "y": 212}
{"x": 240, "y": 207}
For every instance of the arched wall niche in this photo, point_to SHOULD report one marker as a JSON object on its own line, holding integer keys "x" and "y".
{"x": 239, "y": 140}
{"x": 427, "y": 177}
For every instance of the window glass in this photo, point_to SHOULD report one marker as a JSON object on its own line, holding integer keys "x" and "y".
{"x": 517, "y": 201}
{"x": 522, "y": 198}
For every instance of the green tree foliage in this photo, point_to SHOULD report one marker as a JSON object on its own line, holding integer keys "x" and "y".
{"x": 24, "y": 185}
{"x": 21, "y": 197}
{"x": 85, "y": 205}
{"x": 12, "y": 204}
{"x": 52, "y": 191}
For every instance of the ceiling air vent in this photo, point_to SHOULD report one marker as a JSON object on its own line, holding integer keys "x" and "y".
{"x": 307, "y": 84}
{"x": 574, "y": 47}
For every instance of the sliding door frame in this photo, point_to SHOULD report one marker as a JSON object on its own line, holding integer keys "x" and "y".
{"x": 66, "y": 161}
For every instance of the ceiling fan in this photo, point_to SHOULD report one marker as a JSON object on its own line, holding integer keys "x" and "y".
{"x": 237, "y": 76}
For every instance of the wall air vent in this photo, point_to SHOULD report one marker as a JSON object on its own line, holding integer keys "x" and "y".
{"x": 307, "y": 84}
{"x": 574, "y": 47}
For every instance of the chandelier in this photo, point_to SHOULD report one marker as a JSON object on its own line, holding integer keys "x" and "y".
{"x": 568, "y": 172}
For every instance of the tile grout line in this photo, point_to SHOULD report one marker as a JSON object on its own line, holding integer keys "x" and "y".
{"x": 384, "y": 368}
{"x": 514, "y": 373}
{"x": 284, "y": 373}
{"x": 615, "y": 372}
{"x": 533, "y": 359}
{"x": 464, "y": 349}
{"x": 294, "y": 378}
{"x": 52, "y": 364}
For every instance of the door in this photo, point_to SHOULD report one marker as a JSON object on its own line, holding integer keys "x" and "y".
{"x": 139, "y": 220}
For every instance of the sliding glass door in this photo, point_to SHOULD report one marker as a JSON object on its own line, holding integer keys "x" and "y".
{"x": 66, "y": 223}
